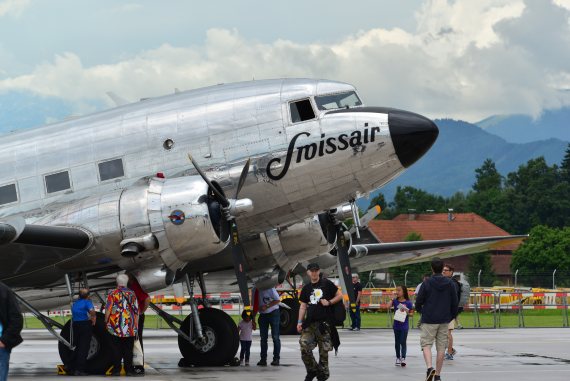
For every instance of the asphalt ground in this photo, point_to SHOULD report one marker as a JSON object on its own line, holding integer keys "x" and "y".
{"x": 502, "y": 354}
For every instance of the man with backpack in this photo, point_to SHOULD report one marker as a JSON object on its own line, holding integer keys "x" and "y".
{"x": 314, "y": 322}
{"x": 464, "y": 299}
{"x": 448, "y": 272}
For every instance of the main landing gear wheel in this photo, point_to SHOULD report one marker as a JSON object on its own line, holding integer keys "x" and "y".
{"x": 288, "y": 322}
{"x": 221, "y": 340}
{"x": 101, "y": 349}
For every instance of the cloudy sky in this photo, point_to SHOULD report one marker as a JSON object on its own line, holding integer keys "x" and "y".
{"x": 443, "y": 58}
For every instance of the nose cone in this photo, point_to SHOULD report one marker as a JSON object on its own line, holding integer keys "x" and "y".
{"x": 412, "y": 135}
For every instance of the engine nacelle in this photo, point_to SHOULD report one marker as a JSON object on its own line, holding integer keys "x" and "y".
{"x": 276, "y": 252}
{"x": 154, "y": 279}
{"x": 180, "y": 216}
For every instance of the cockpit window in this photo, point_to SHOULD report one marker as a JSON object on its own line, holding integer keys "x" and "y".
{"x": 301, "y": 111}
{"x": 340, "y": 100}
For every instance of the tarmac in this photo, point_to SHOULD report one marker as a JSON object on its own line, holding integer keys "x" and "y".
{"x": 502, "y": 354}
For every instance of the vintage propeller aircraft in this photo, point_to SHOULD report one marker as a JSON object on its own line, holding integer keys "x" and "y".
{"x": 256, "y": 176}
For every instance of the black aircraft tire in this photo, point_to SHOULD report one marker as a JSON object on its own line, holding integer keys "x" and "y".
{"x": 222, "y": 340}
{"x": 288, "y": 323}
{"x": 101, "y": 352}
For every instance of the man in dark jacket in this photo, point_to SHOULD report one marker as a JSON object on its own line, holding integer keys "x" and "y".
{"x": 437, "y": 302}
{"x": 11, "y": 323}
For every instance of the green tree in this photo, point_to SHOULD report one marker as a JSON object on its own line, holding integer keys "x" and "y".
{"x": 481, "y": 262}
{"x": 487, "y": 177}
{"x": 536, "y": 196}
{"x": 488, "y": 199}
{"x": 546, "y": 249}
{"x": 565, "y": 166}
{"x": 408, "y": 198}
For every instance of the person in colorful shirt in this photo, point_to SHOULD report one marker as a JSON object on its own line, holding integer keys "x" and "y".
{"x": 401, "y": 302}
{"x": 143, "y": 300}
{"x": 121, "y": 316}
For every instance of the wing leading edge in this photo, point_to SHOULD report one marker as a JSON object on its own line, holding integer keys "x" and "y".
{"x": 376, "y": 256}
{"x": 27, "y": 248}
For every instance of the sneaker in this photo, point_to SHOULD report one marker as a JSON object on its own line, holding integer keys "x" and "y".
{"x": 398, "y": 362}
{"x": 275, "y": 362}
{"x": 448, "y": 356}
{"x": 357, "y": 329}
{"x": 241, "y": 362}
{"x": 403, "y": 363}
{"x": 247, "y": 363}
{"x": 430, "y": 374}
{"x": 437, "y": 378}
{"x": 262, "y": 362}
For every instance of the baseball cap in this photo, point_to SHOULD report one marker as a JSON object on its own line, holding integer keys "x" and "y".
{"x": 313, "y": 266}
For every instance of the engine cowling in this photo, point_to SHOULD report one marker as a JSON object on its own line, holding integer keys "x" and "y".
{"x": 178, "y": 214}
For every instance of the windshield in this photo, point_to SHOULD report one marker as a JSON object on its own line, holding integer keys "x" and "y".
{"x": 341, "y": 100}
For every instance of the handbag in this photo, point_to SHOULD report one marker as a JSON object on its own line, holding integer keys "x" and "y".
{"x": 400, "y": 315}
{"x": 138, "y": 355}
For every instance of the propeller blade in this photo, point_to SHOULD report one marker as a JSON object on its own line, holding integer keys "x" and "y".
{"x": 239, "y": 266}
{"x": 221, "y": 198}
{"x": 365, "y": 219}
{"x": 242, "y": 177}
{"x": 370, "y": 215}
{"x": 342, "y": 248}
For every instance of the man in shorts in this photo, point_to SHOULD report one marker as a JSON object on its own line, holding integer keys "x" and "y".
{"x": 437, "y": 302}
{"x": 448, "y": 272}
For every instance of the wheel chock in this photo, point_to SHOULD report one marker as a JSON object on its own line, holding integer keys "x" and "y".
{"x": 110, "y": 371}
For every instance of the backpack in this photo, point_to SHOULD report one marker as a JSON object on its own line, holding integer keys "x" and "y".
{"x": 465, "y": 294}
{"x": 338, "y": 314}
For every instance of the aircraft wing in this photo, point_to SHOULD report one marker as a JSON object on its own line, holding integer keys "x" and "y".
{"x": 26, "y": 248}
{"x": 367, "y": 257}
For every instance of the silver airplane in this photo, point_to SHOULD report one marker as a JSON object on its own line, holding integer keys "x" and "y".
{"x": 159, "y": 187}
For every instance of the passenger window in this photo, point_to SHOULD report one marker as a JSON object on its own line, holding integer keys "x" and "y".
{"x": 8, "y": 194}
{"x": 57, "y": 182}
{"x": 111, "y": 169}
{"x": 301, "y": 111}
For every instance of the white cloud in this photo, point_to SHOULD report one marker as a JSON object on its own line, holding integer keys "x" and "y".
{"x": 13, "y": 7}
{"x": 465, "y": 60}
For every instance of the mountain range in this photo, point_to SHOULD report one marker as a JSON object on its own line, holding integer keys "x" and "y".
{"x": 525, "y": 129}
{"x": 462, "y": 147}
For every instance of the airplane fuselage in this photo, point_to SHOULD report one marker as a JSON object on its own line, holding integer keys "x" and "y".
{"x": 80, "y": 172}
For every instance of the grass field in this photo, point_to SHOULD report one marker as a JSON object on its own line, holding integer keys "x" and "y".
{"x": 532, "y": 318}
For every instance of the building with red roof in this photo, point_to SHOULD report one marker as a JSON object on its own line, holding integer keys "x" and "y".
{"x": 437, "y": 226}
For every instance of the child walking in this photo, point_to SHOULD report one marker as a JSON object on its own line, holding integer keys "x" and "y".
{"x": 401, "y": 302}
{"x": 245, "y": 327}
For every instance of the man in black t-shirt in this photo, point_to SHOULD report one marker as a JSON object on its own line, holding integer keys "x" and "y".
{"x": 316, "y": 298}
{"x": 355, "y": 315}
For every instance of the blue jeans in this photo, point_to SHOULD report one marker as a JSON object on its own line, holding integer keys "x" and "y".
{"x": 355, "y": 317}
{"x": 4, "y": 362}
{"x": 401, "y": 336}
{"x": 265, "y": 320}
{"x": 245, "y": 347}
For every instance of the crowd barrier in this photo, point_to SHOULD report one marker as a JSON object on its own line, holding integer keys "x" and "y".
{"x": 497, "y": 303}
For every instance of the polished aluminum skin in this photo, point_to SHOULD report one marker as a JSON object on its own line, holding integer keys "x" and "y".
{"x": 147, "y": 223}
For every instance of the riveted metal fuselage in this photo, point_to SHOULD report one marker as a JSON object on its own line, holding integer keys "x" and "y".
{"x": 298, "y": 169}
